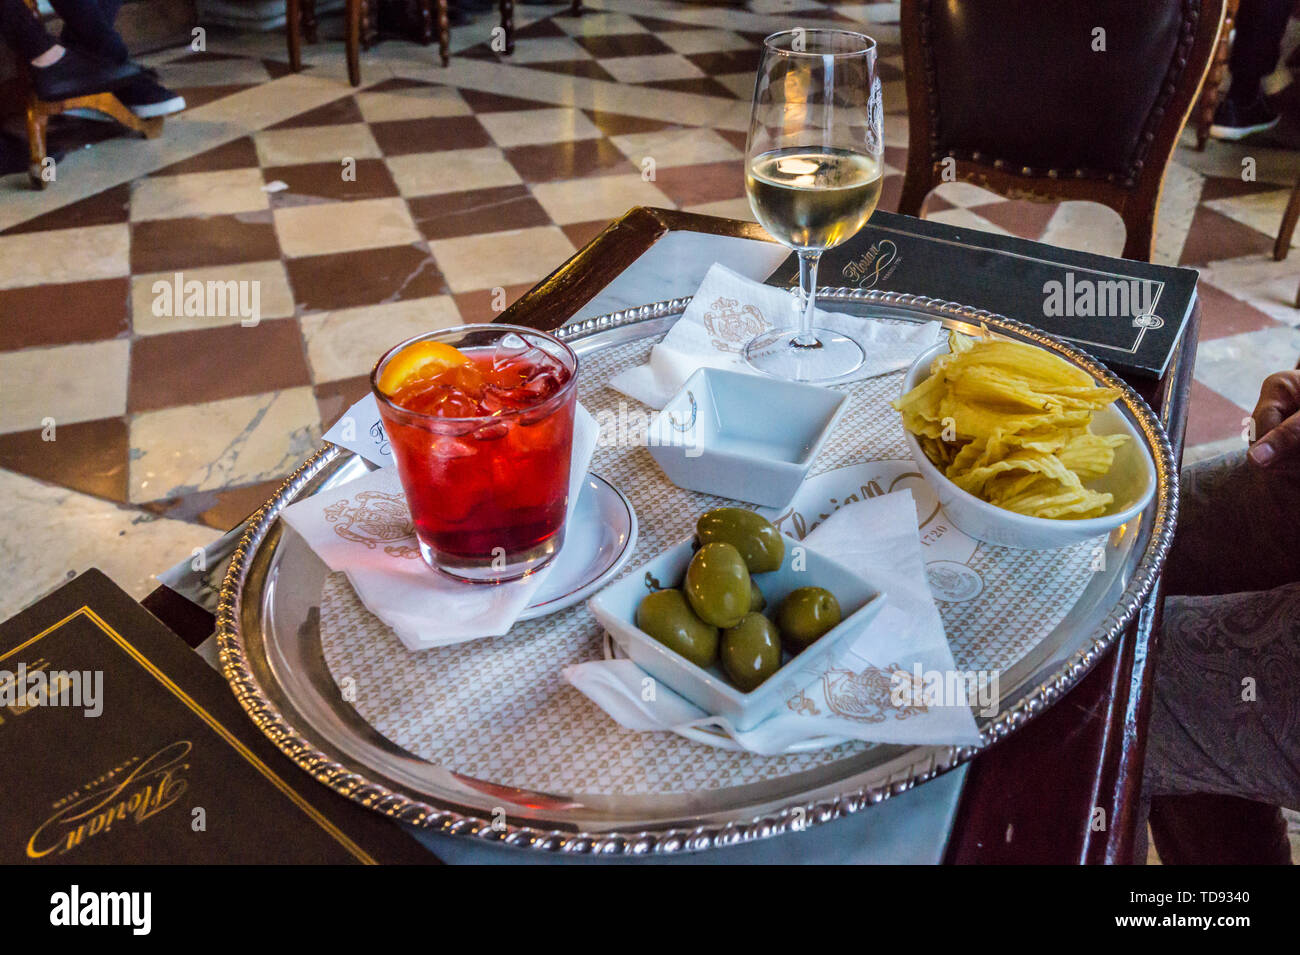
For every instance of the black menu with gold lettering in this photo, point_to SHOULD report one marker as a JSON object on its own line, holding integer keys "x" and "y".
{"x": 121, "y": 745}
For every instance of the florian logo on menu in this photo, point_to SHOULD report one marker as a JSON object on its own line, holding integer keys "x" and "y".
{"x": 151, "y": 786}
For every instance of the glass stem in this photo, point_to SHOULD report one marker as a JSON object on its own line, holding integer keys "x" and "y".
{"x": 808, "y": 259}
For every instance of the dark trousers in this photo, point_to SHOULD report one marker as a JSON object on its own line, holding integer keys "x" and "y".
{"x": 1257, "y": 45}
{"x": 87, "y": 26}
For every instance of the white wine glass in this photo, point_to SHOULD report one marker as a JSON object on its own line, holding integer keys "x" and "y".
{"x": 813, "y": 170}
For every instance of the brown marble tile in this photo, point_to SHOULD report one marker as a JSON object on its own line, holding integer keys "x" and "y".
{"x": 205, "y": 56}
{"x": 587, "y": 69}
{"x": 737, "y": 137}
{"x": 1217, "y": 187}
{"x": 623, "y": 44}
{"x": 338, "y": 112}
{"x": 1212, "y": 417}
{"x": 277, "y": 68}
{"x": 163, "y": 245}
{"x": 478, "y": 306}
{"x": 619, "y": 124}
{"x": 664, "y": 26}
{"x": 222, "y": 509}
{"x": 580, "y": 233}
{"x": 888, "y": 71}
{"x": 891, "y": 190}
{"x": 40, "y": 315}
{"x": 699, "y": 85}
{"x": 90, "y": 456}
{"x": 479, "y": 210}
{"x": 1020, "y": 217}
{"x": 705, "y": 182}
{"x": 1213, "y": 236}
{"x": 209, "y": 364}
{"x": 397, "y": 83}
{"x": 933, "y": 203}
{"x": 1222, "y": 315}
{"x": 336, "y": 397}
{"x": 728, "y": 61}
{"x": 323, "y": 181}
{"x": 568, "y": 160}
{"x": 365, "y": 277}
{"x": 400, "y": 137}
{"x": 236, "y": 154}
{"x": 103, "y": 208}
{"x": 482, "y": 102}
{"x": 539, "y": 28}
{"x": 202, "y": 95}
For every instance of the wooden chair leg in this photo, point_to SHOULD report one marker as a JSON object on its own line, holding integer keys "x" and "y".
{"x": 293, "y": 30}
{"x": 508, "y": 24}
{"x": 36, "y": 146}
{"x": 917, "y": 184}
{"x": 444, "y": 33}
{"x": 1282, "y": 245}
{"x": 425, "y": 8}
{"x": 352, "y": 41}
{"x": 1139, "y": 236}
{"x": 310, "y": 26}
{"x": 369, "y": 23}
{"x": 575, "y": 8}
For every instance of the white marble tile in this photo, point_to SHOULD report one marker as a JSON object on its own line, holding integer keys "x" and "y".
{"x": 725, "y": 208}
{"x": 965, "y": 195}
{"x": 213, "y": 73}
{"x": 687, "y": 42}
{"x": 1178, "y": 203}
{"x": 549, "y": 49}
{"x": 499, "y": 259}
{"x": 600, "y": 197}
{"x": 451, "y": 170}
{"x": 676, "y": 147}
{"x": 64, "y": 255}
{"x": 51, "y": 534}
{"x": 595, "y": 23}
{"x": 1260, "y": 282}
{"x": 225, "y": 192}
{"x": 740, "y": 84}
{"x": 414, "y": 103}
{"x": 221, "y": 444}
{"x": 1237, "y": 365}
{"x": 346, "y": 343}
{"x": 274, "y": 297}
{"x": 306, "y": 144}
{"x": 1261, "y": 211}
{"x": 67, "y": 383}
{"x": 1226, "y": 160}
{"x": 650, "y": 68}
{"x": 345, "y": 226}
{"x": 966, "y": 219}
{"x": 533, "y": 126}
{"x": 1086, "y": 227}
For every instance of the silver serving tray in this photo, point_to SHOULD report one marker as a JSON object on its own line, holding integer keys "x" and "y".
{"x": 269, "y": 643}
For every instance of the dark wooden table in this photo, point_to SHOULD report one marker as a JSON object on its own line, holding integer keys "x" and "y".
{"x": 1031, "y": 798}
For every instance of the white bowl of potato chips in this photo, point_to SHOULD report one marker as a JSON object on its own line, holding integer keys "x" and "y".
{"x": 1022, "y": 447}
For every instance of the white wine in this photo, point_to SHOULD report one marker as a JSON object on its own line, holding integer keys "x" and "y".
{"x": 810, "y": 198}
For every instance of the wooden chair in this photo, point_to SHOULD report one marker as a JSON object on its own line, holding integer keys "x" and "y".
{"x": 508, "y": 20}
{"x": 39, "y": 111}
{"x": 1014, "y": 96}
{"x": 1209, "y": 100}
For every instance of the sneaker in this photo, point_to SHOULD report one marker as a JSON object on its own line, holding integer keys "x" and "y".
{"x": 1234, "y": 120}
{"x": 78, "y": 74}
{"x": 147, "y": 98}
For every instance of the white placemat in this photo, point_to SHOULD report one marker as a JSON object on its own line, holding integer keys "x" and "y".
{"x": 499, "y": 709}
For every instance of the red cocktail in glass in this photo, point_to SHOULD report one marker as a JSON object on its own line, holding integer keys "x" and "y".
{"x": 480, "y": 419}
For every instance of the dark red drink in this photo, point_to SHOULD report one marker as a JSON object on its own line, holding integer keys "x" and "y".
{"x": 482, "y": 434}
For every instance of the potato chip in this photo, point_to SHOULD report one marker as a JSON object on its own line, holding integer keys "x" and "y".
{"x": 1011, "y": 423}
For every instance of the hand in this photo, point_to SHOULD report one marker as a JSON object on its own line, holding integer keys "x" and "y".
{"x": 1277, "y": 420}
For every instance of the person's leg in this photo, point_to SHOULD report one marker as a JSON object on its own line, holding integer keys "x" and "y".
{"x": 1238, "y": 528}
{"x": 23, "y": 30}
{"x": 1257, "y": 45}
{"x": 88, "y": 26}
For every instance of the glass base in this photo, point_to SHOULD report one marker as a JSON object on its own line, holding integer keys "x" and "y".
{"x": 493, "y": 570}
{"x": 778, "y": 354}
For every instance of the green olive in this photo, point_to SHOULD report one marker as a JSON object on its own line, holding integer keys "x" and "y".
{"x": 717, "y": 585}
{"x": 804, "y": 615}
{"x": 756, "y": 599}
{"x": 751, "y": 651}
{"x": 759, "y": 542}
{"x": 666, "y": 616}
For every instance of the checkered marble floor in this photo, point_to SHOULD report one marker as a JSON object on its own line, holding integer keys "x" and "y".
{"x": 463, "y": 187}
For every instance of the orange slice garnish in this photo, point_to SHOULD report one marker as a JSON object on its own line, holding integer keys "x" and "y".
{"x": 419, "y": 360}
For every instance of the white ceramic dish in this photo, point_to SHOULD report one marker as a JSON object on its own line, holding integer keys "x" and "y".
{"x": 741, "y": 436}
{"x": 615, "y": 609}
{"x": 1131, "y": 479}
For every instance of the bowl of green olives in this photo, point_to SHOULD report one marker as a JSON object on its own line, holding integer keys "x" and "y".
{"x": 737, "y": 618}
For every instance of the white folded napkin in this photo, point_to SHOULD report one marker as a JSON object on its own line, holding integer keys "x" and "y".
{"x": 729, "y": 310}
{"x": 363, "y": 529}
{"x": 886, "y": 687}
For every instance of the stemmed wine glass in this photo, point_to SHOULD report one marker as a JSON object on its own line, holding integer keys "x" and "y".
{"x": 813, "y": 168}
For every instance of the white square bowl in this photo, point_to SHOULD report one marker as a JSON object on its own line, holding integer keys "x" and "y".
{"x": 1131, "y": 479}
{"x": 615, "y": 608}
{"x": 746, "y": 437}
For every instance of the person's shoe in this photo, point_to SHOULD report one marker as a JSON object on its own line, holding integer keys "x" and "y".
{"x": 147, "y": 98}
{"x": 1234, "y": 120}
{"x": 77, "y": 74}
